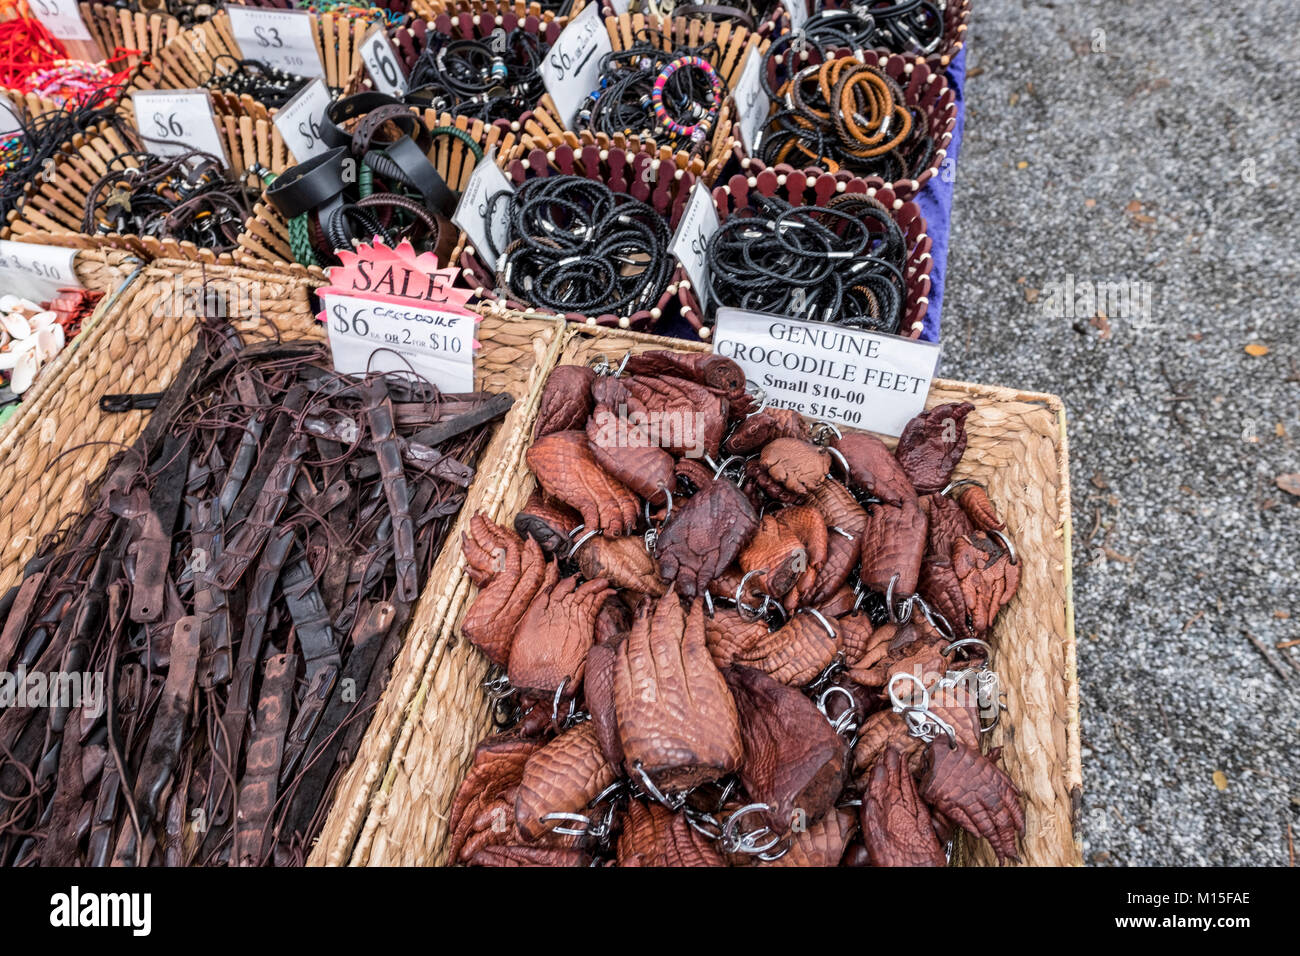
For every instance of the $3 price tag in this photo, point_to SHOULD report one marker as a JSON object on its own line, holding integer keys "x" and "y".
{"x": 282, "y": 38}
{"x": 62, "y": 18}
{"x": 36, "y": 272}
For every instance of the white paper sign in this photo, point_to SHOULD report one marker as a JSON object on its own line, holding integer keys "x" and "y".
{"x": 62, "y": 18}
{"x": 36, "y": 272}
{"x": 299, "y": 120}
{"x": 752, "y": 103}
{"x": 172, "y": 122}
{"x": 798, "y": 11}
{"x": 844, "y": 376}
{"x": 282, "y": 38}
{"x": 381, "y": 62}
{"x": 9, "y": 122}
{"x": 471, "y": 216}
{"x": 571, "y": 69}
{"x": 698, "y": 224}
{"x": 620, "y": 6}
{"x": 366, "y": 335}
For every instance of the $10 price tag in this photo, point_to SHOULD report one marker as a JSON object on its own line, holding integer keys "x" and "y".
{"x": 62, "y": 18}
{"x": 299, "y": 120}
{"x": 36, "y": 272}
{"x": 844, "y": 376}
{"x": 698, "y": 224}
{"x": 571, "y": 69}
{"x": 172, "y": 122}
{"x": 382, "y": 64}
{"x": 751, "y": 102}
{"x": 486, "y": 181}
{"x": 373, "y": 336}
{"x": 282, "y": 38}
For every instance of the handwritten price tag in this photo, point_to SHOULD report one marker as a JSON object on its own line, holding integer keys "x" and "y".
{"x": 476, "y": 214}
{"x": 172, "y": 122}
{"x": 381, "y": 62}
{"x": 698, "y": 224}
{"x": 299, "y": 120}
{"x": 282, "y": 38}
{"x": 845, "y": 376}
{"x": 62, "y": 18}
{"x": 571, "y": 69}
{"x": 751, "y": 102}
{"x": 36, "y": 272}
{"x": 367, "y": 335}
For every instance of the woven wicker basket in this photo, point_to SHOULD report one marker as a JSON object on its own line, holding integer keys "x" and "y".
{"x": 266, "y": 234}
{"x": 186, "y": 62}
{"x": 734, "y": 43}
{"x": 925, "y": 89}
{"x": 100, "y": 270}
{"x": 117, "y": 29}
{"x": 52, "y": 211}
{"x": 558, "y": 155}
{"x": 61, "y": 441}
{"x": 1017, "y": 447}
{"x": 782, "y": 181}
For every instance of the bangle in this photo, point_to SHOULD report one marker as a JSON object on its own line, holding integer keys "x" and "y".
{"x": 693, "y": 131}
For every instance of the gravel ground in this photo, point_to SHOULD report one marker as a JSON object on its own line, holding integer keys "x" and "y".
{"x": 1140, "y": 142}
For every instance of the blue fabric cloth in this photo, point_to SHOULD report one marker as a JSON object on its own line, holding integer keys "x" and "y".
{"x": 936, "y": 202}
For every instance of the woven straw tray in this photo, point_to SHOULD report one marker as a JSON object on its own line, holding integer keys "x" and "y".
{"x": 60, "y": 442}
{"x": 1017, "y": 447}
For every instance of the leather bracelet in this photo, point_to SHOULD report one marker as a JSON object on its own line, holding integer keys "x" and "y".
{"x": 309, "y": 185}
{"x": 408, "y": 164}
{"x": 348, "y": 108}
{"x": 366, "y": 135}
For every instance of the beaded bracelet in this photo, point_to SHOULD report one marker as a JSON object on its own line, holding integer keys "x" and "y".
{"x": 698, "y": 130}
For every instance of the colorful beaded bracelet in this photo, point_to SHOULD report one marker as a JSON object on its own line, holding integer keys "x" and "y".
{"x": 694, "y": 130}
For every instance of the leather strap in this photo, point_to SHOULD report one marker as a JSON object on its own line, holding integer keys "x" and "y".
{"x": 364, "y": 137}
{"x": 314, "y": 184}
{"x": 348, "y": 108}
{"x": 407, "y": 162}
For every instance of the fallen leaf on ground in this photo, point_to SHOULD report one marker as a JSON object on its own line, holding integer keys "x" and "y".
{"x": 1290, "y": 483}
{"x": 1256, "y": 349}
{"x": 1221, "y": 780}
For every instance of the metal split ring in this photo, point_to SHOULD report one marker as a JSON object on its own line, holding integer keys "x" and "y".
{"x": 1006, "y": 543}
{"x": 734, "y": 842}
{"x": 673, "y": 802}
